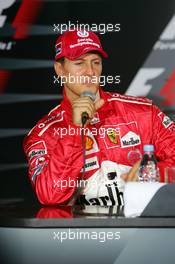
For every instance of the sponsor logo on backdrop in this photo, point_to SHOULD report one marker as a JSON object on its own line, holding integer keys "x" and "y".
{"x": 167, "y": 91}
{"x": 141, "y": 84}
{"x": 167, "y": 38}
{"x": 16, "y": 25}
{"x": 4, "y": 4}
{"x": 156, "y": 77}
{"x": 6, "y": 45}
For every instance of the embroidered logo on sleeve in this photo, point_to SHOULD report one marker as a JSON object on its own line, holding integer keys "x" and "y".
{"x": 166, "y": 120}
{"x": 36, "y": 154}
{"x": 36, "y": 150}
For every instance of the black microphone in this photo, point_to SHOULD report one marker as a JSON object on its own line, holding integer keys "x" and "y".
{"x": 84, "y": 118}
{"x": 85, "y": 115}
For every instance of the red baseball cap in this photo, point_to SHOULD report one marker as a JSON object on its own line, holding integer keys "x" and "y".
{"x": 74, "y": 43}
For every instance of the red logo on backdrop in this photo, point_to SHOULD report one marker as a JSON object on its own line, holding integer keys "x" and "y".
{"x": 24, "y": 18}
{"x": 167, "y": 91}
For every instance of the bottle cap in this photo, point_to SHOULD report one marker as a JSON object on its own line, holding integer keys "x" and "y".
{"x": 148, "y": 148}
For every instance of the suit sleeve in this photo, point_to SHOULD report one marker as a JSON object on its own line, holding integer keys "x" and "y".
{"x": 163, "y": 140}
{"x": 54, "y": 165}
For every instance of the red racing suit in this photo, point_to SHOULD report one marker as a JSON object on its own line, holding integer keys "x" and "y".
{"x": 114, "y": 140}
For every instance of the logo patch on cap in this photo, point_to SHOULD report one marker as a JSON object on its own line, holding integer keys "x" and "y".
{"x": 58, "y": 48}
{"x": 83, "y": 34}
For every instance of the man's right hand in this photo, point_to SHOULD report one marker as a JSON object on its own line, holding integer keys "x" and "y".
{"x": 84, "y": 104}
{"x": 132, "y": 175}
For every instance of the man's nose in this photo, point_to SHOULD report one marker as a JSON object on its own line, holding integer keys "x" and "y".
{"x": 89, "y": 69}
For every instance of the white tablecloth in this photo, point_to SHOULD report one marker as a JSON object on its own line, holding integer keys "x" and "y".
{"x": 137, "y": 195}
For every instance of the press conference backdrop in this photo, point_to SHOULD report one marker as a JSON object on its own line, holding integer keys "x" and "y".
{"x": 142, "y": 52}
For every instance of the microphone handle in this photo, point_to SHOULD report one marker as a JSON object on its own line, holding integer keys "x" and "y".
{"x": 84, "y": 118}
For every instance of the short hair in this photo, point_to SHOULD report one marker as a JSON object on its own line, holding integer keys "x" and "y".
{"x": 61, "y": 60}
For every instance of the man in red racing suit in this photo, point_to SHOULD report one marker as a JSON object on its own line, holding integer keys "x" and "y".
{"x": 55, "y": 157}
{"x": 116, "y": 131}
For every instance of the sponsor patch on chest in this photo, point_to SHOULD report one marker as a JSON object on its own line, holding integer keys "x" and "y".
{"x": 122, "y": 135}
{"x": 130, "y": 139}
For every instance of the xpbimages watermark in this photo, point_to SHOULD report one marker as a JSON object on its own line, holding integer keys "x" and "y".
{"x": 78, "y": 131}
{"x": 102, "y": 79}
{"x": 101, "y": 28}
{"x": 61, "y": 184}
{"x": 77, "y": 234}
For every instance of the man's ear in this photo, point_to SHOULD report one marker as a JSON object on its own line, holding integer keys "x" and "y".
{"x": 58, "y": 68}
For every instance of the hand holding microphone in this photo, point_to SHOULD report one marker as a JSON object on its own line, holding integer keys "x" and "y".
{"x": 84, "y": 115}
{"x": 85, "y": 107}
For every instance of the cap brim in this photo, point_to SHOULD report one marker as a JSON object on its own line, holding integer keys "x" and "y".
{"x": 83, "y": 51}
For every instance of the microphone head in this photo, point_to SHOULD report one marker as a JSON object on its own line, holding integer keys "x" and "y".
{"x": 88, "y": 94}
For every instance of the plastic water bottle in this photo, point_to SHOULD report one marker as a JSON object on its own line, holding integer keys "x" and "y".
{"x": 148, "y": 172}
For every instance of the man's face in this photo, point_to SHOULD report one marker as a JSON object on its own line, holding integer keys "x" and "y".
{"x": 82, "y": 74}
